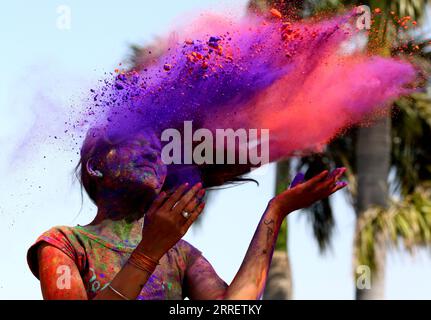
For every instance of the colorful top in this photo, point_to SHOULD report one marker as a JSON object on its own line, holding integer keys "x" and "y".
{"x": 99, "y": 261}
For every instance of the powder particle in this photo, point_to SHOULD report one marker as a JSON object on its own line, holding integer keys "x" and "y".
{"x": 275, "y": 13}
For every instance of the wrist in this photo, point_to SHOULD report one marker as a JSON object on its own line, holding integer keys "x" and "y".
{"x": 275, "y": 212}
{"x": 143, "y": 262}
{"x": 150, "y": 251}
{"x": 278, "y": 210}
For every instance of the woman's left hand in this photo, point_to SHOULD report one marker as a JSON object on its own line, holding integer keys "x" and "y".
{"x": 304, "y": 194}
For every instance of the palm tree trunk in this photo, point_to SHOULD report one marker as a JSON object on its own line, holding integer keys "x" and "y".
{"x": 279, "y": 282}
{"x": 373, "y": 162}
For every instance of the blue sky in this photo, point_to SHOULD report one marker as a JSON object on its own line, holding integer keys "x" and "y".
{"x": 46, "y": 69}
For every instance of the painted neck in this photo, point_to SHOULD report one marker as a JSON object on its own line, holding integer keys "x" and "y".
{"x": 118, "y": 222}
{"x": 124, "y": 230}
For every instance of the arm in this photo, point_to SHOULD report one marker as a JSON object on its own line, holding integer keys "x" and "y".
{"x": 68, "y": 284}
{"x": 164, "y": 227}
{"x": 65, "y": 286}
{"x": 250, "y": 280}
{"x": 204, "y": 283}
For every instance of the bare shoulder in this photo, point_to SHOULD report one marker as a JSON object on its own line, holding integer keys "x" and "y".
{"x": 185, "y": 245}
{"x": 188, "y": 251}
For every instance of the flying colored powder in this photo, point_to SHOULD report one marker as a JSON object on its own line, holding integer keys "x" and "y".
{"x": 290, "y": 78}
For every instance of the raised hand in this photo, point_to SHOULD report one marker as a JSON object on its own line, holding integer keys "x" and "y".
{"x": 169, "y": 218}
{"x": 302, "y": 193}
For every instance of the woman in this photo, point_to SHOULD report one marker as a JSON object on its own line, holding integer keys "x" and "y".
{"x": 133, "y": 248}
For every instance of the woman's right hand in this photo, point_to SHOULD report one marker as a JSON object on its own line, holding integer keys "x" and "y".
{"x": 164, "y": 223}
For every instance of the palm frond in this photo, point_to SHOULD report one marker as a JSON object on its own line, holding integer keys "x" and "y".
{"x": 140, "y": 57}
{"x": 411, "y": 150}
{"x": 320, "y": 213}
{"x": 406, "y": 223}
{"x": 412, "y": 8}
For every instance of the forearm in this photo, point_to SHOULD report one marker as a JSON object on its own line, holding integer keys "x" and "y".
{"x": 250, "y": 280}
{"x": 128, "y": 282}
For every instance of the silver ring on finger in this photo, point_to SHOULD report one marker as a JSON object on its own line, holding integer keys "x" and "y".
{"x": 185, "y": 214}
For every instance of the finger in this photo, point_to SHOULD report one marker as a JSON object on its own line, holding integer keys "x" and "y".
{"x": 194, "y": 215}
{"x": 334, "y": 177}
{"x": 158, "y": 202}
{"x": 334, "y": 172}
{"x": 320, "y": 177}
{"x": 338, "y": 186}
{"x": 175, "y": 196}
{"x": 186, "y": 198}
{"x": 195, "y": 201}
{"x": 338, "y": 173}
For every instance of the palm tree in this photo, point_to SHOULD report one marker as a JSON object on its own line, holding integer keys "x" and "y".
{"x": 371, "y": 153}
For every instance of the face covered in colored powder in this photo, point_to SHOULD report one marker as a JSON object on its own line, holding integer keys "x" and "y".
{"x": 134, "y": 165}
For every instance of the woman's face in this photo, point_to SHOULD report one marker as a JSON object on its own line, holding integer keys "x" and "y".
{"x": 135, "y": 165}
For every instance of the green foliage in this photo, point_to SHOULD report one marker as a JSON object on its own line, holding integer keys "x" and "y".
{"x": 412, "y": 8}
{"x": 282, "y": 183}
{"x": 141, "y": 57}
{"x": 406, "y": 222}
{"x": 411, "y": 149}
{"x": 281, "y": 243}
{"x": 411, "y": 129}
